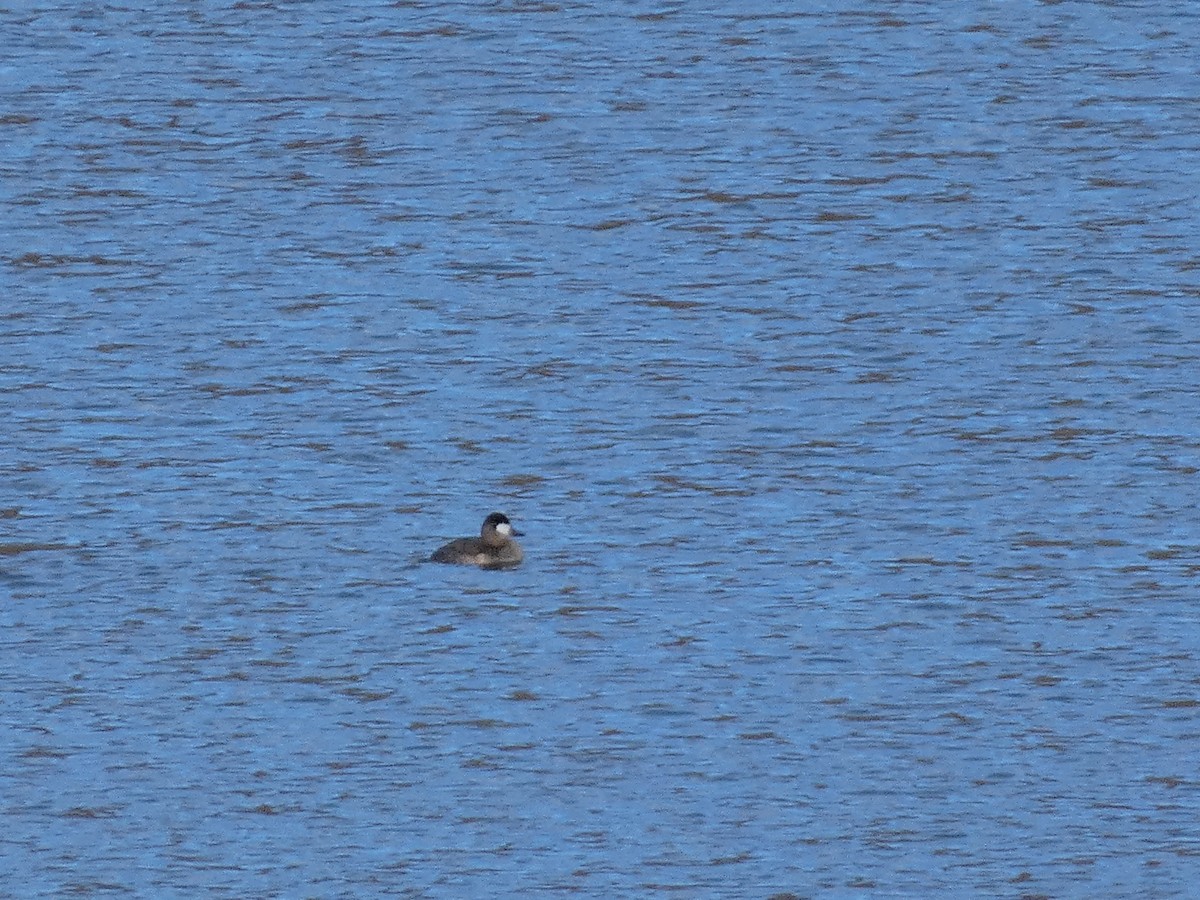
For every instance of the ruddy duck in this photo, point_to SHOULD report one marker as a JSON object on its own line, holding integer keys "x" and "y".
{"x": 493, "y": 549}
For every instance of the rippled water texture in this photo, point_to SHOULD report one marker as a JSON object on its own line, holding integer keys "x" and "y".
{"x": 839, "y": 363}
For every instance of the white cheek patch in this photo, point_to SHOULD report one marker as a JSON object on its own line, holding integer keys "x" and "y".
{"x": 504, "y": 528}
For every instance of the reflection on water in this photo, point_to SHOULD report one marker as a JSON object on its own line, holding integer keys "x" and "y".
{"x": 839, "y": 366}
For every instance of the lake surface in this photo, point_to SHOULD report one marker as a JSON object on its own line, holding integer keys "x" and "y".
{"x": 839, "y": 364}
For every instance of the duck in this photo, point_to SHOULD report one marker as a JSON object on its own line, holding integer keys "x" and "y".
{"x": 493, "y": 549}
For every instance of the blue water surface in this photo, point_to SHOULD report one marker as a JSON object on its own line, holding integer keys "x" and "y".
{"x": 840, "y": 365}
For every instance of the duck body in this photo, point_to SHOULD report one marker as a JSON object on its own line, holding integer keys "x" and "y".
{"x": 493, "y": 549}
